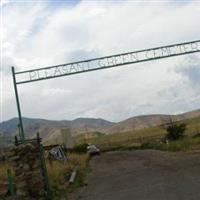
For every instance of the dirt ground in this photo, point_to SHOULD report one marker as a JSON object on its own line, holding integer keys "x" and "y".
{"x": 142, "y": 175}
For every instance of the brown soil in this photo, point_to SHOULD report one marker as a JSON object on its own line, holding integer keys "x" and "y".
{"x": 142, "y": 175}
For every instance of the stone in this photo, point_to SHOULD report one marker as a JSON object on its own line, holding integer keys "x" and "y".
{"x": 21, "y": 176}
{"x": 36, "y": 165}
{"x": 26, "y": 167}
{"x": 42, "y": 193}
{"x": 14, "y": 158}
{"x": 17, "y": 171}
{"x": 26, "y": 164}
{"x": 29, "y": 147}
{"x": 21, "y": 193}
{"x": 20, "y": 166}
{"x": 10, "y": 154}
{"x": 14, "y": 149}
{"x": 36, "y": 173}
{"x": 15, "y": 164}
{"x": 21, "y": 184}
{"x": 20, "y": 148}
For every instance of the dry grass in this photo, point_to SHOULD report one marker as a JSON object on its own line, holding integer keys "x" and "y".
{"x": 185, "y": 144}
{"x": 3, "y": 170}
{"x": 59, "y": 171}
{"x": 126, "y": 139}
{"x": 135, "y": 138}
{"x": 80, "y": 159}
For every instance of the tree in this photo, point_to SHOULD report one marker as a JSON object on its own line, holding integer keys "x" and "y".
{"x": 175, "y": 131}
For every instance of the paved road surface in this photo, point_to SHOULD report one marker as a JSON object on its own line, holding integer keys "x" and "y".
{"x": 142, "y": 175}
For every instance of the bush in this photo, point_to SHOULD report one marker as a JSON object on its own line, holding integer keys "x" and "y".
{"x": 197, "y": 135}
{"x": 80, "y": 148}
{"x": 154, "y": 145}
{"x": 178, "y": 145}
{"x": 175, "y": 131}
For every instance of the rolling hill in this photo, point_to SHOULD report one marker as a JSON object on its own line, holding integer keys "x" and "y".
{"x": 50, "y": 128}
{"x": 148, "y": 121}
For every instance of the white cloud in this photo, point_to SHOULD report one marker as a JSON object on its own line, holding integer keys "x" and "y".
{"x": 4, "y": 2}
{"x": 36, "y": 35}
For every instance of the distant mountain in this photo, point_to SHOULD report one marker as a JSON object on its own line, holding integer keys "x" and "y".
{"x": 31, "y": 126}
{"x": 81, "y": 125}
{"x": 189, "y": 115}
{"x": 139, "y": 122}
{"x": 50, "y": 128}
{"x": 147, "y": 121}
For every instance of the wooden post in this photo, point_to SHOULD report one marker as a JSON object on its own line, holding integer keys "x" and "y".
{"x": 11, "y": 184}
{"x": 16, "y": 141}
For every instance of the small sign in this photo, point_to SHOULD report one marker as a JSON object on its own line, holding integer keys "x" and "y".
{"x": 58, "y": 153}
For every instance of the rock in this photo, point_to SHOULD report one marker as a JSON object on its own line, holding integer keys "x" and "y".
{"x": 42, "y": 193}
{"x": 10, "y": 154}
{"x": 22, "y": 176}
{"x": 26, "y": 164}
{"x": 21, "y": 184}
{"x": 17, "y": 172}
{"x": 36, "y": 173}
{"x": 36, "y": 165}
{"x": 14, "y": 158}
{"x": 20, "y": 148}
{"x": 21, "y": 193}
{"x": 28, "y": 148}
{"x": 26, "y": 167}
{"x": 20, "y": 166}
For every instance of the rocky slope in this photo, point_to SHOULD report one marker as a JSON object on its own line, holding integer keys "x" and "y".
{"x": 48, "y": 128}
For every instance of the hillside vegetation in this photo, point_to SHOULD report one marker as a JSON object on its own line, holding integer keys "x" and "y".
{"x": 134, "y": 139}
{"x": 146, "y": 138}
{"x": 50, "y": 129}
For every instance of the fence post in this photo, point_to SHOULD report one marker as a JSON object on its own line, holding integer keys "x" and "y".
{"x": 10, "y": 181}
{"x": 16, "y": 141}
{"x": 44, "y": 168}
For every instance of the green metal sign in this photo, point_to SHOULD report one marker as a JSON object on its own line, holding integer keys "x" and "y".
{"x": 98, "y": 64}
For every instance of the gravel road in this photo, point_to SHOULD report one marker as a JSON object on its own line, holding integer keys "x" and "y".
{"x": 142, "y": 175}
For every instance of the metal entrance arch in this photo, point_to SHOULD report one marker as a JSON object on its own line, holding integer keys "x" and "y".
{"x": 106, "y": 62}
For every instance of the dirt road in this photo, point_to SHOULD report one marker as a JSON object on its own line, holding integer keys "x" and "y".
{"x": 142, "y": 175}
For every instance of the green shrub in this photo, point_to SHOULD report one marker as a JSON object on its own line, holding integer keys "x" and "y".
{"x": 154, "y": 145}
{"x": 175, "y": 131}
{"x": 188, "y": 143}
{"x": 197, "y": 135}
{"x": 80, "y": 148}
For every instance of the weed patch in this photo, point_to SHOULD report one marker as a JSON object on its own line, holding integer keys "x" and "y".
{"x": 185, "y": 144}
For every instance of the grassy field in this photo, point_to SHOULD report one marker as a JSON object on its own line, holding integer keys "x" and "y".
{"x": 59, "y": 173}
{"x": 185, "y": 144}
{"x": 135, "y": 138}
{"x": 148, "y": 138}
{"x": 3, "y": 171}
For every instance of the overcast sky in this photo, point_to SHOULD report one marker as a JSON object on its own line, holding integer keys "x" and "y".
{"x": 42, "y": 33}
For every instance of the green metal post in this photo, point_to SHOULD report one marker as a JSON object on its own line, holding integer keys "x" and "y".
{"x": 11, "y": 185}
{"x": 44, "y": 168}
{"x": 21, "y": 133}
{"x": 45, "y": 173}
{"x": 19, "y": 130}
